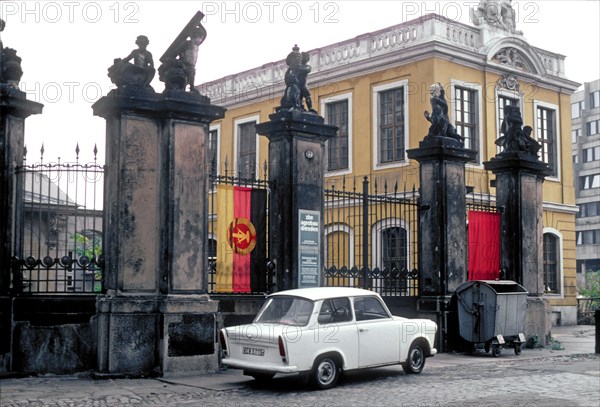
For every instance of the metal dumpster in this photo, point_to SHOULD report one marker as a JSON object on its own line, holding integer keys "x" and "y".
{"x": 492, "y": 313}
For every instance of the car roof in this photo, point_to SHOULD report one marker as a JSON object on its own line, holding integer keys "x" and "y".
{"x": 319, "y": 293}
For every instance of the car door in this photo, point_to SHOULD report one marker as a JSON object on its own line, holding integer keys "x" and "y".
{"x": 378, "y": 333}
{"x": 337, "y": 331}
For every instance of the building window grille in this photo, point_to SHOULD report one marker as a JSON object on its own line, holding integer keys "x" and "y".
{"x": 551, "y": 263}
{"x": 247, "y": 150}
{"x": 465, "y": 114}
{"x": 337, "y": 147}
{"x": 546, "y": 136}
{"x": 213, "y": 142}
{"x": 391, "y": 125}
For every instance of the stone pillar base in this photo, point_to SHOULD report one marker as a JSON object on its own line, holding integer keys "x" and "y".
{"x": 157, "y": 335}
{"x": 538, "y": 319}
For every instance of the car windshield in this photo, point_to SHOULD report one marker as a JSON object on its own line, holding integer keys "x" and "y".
{"x": 286, "y": 311}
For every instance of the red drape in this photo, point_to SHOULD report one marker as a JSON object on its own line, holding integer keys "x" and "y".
{"x": 484, "y": 245}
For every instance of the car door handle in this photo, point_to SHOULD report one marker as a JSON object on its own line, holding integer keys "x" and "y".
{"x": 363, "y": 329}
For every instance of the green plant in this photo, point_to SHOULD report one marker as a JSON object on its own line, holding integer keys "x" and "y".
{"x": 533, "y": 342}
{"x": 84, "y": 246}
{"x": 554, "y": 344}
{"x": 592, "y": 284}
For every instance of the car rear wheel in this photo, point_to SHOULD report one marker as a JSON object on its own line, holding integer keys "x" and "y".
{"x": 325, "y": 373}
{"x": 416, "y": 359}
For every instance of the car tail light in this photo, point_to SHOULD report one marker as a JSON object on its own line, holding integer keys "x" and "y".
{"x": 281, "y": 348}
{"x": 223, "y": 341}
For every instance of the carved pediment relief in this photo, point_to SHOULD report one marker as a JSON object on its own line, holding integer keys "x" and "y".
{"x": 514, "y": 58}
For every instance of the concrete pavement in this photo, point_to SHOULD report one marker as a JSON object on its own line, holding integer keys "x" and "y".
{"x": 448, "y": 378}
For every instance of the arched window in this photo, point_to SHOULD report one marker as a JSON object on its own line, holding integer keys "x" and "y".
{"x": 394, "y": 248}
{"x": 552, "y": 282}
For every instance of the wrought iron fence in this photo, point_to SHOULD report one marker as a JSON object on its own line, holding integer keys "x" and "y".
{"x": 371, "y": 237}
{"x": 229, "y": 178}
{"x": 59, "y": 234}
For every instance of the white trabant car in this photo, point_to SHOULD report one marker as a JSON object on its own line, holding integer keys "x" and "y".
{"x": 323, "y": 332}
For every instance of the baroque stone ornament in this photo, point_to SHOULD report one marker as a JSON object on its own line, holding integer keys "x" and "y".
{"x": 508, "y": 81}
{"x": 512, "y": 57}
{"x": 178, "y": 69}
{"x": 10, "y": 65}
{"x": 440, "y": 123}
{"x": 516, "y": 138}
{"x": 295, "y": 78}
{"x": 496, "y": 13}
{"x": 137, "y": 74}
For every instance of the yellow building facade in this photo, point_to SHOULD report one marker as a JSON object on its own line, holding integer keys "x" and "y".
{"x": 375, "y": 87}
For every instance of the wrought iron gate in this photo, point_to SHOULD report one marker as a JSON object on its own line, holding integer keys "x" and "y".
{"x": 371, "y": 238}
{"x": 59, "y": 228}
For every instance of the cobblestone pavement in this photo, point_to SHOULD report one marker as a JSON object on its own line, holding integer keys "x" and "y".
{"x": 562, "y": 380}
{"x": 543, "y": 378}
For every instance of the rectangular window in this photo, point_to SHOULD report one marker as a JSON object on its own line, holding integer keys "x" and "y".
{"x": 503, "y": 101}
{"x": 592, "y": 127}
{"x": 589, "y": 209}
{"x": 576, "y": 109}
{"x": 546, "y": 136}
{"x": 247, "y": 150}
{"x": 551, "y": 264}
{"x": 575, "y": 161}
{"x": 591, "y": 154}
{"x": 465, "y": 117}
{"x": 589, "y": 181}
{"x": 212, "y": 152}
{"x": 588, "y": 237}
{"x": 391, "y": 125}
{"x": 594, "y": 99}
{"x": 337, "y": 147}
{"x": 574, "y": 134}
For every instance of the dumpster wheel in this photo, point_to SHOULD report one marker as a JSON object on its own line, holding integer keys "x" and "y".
{"x": 517, "y": 349}
{"x": 496, "y": 351}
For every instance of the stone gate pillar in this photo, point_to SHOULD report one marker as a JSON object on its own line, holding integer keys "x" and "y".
{"x": 442, "y": 218}
{"x": 296, "y": 166}
{"x": 156, "y": 315}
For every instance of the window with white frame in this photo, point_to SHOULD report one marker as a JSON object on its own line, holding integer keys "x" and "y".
{"x": 592, "y": 127}
{"x": 390, "y": 121}
{"x": 338, "y": 147}
{"x": 589, "y": 181}
{"x": 590, "y": 154}
{"x": 576, "y": 109}
{"x": 466, "y": 116}
{"x": 546, "y": 132}
{"x": 595, "y": 99}
{"x": 246, "y": 147}
{"x": 213, "y": 151}
{"x": 551, "y": 263}
{"x": 574, "y": 134}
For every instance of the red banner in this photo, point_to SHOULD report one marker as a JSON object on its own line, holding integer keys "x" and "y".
{"x": 484, "y": 246}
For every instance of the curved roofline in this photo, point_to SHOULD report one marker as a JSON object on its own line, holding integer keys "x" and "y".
{"x": 520, "y": 44}
{"x": 319, "y": 293}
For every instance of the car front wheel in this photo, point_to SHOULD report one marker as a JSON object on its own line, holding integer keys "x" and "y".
{"x": 416, "y": 359}
{"x": 325, "y": 373}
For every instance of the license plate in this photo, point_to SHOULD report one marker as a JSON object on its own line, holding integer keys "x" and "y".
{"x": 253, "y": 351}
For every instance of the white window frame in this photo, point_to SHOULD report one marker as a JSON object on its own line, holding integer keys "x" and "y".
{"x": 236, "y": 130}
{"x": 478, "y": 90}
{"x": 557, "y": 136}
{"x": 217, "y": 128}
{"x": 375, "y": 118}
{"x": 343, "y": 228}
{"x": 378, "y": 228}
{"x": 338, "y": 98}
{"x": 560, "y": 270}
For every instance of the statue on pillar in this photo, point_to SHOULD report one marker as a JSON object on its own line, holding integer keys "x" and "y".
{"x": 295, "y": 82}
{"x": 10, "y": 65}
{"x": 516, "y": 138}
{"x": 178, "y": 69}
{"x": 440, "y": 123}
{"x": 495, "y": 13}
{"x": 140, "y": 73}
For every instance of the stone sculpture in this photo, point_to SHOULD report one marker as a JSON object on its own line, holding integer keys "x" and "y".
{"x": 178, "y": 69}
{"x": 10, "y": 65}
{"x": 440, "y": 123}
{"x": 515, "y": 138}
{"x": 295, "y": 82}
{"x": 139, "y": 73}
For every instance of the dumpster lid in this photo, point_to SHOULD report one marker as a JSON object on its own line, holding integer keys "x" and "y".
{"x": 499, "y": 286}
